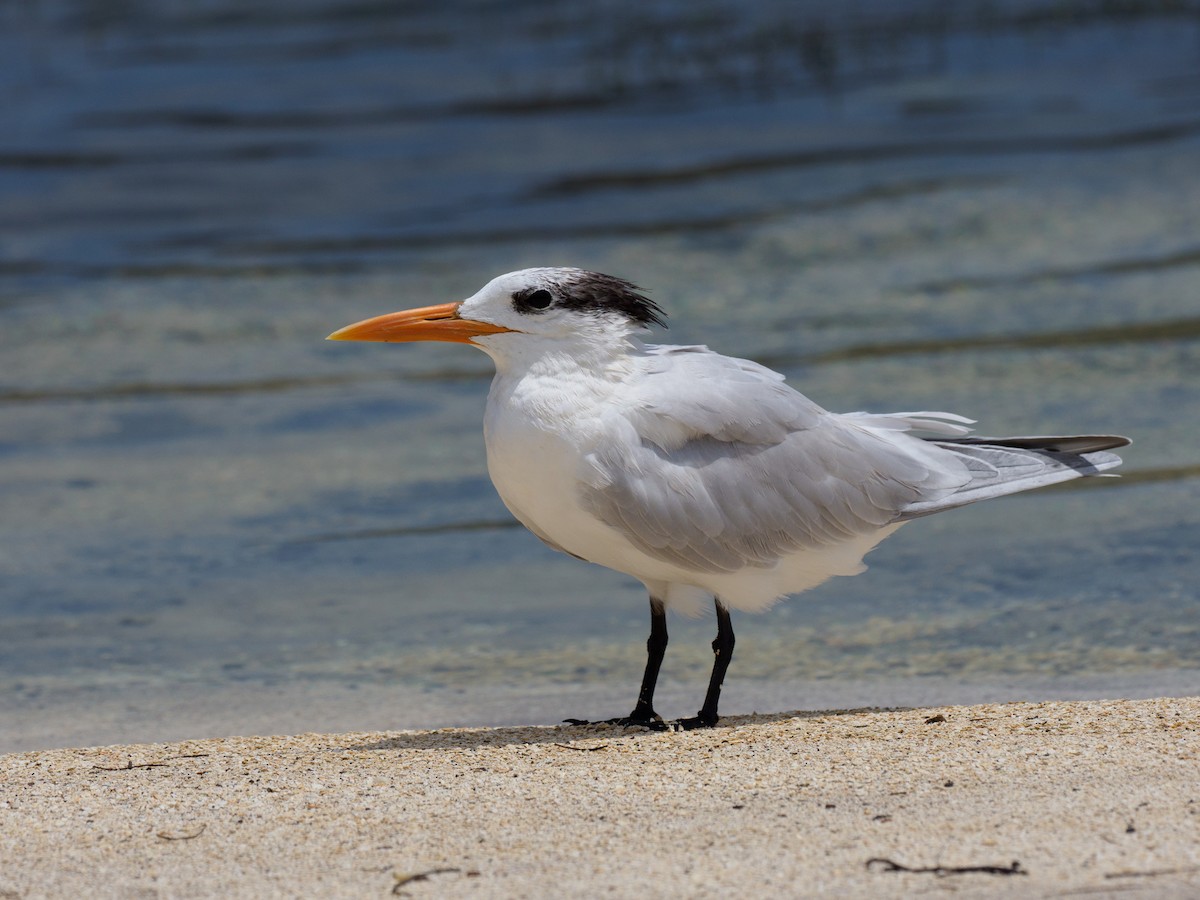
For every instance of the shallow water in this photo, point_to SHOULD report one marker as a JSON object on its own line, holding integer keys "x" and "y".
{"x": 211, "y": 515}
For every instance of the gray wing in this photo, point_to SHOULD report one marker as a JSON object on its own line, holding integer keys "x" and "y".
{"x": 718, "y": 465}
{"x": 1000, "y": 466}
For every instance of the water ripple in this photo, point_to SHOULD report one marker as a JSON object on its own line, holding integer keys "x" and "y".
{"x": 948, "y": 147}
{"x": 140, "y": 390}
{"x": 1128, "y": 266}
{"x": 689, "y": 224}
{"x": 1125, "y": 333}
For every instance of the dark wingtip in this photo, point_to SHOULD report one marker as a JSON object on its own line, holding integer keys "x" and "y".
{"x": 1073, "y": 443}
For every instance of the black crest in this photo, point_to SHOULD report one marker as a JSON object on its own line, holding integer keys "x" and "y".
{"x": 595, "y": 292}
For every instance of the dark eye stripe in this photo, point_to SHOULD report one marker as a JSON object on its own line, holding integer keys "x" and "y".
{"x": 577, "y": 290}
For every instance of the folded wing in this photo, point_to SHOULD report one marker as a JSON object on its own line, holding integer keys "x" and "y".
{"x": 718, "y": 465}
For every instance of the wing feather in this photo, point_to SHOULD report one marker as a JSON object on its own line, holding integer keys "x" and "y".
{"x": 717, "y": 465}
{"x": 728, "y": 467}
{"x": 1001, "y": 466}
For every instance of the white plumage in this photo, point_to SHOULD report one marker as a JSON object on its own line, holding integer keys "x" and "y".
{"x": 703, "y": 476}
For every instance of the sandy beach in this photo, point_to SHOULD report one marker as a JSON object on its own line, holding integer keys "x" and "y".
{"x": 1021, "y": 799}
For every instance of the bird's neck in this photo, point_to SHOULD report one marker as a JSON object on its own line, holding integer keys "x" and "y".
{"x": 555, "y": 388}
{"x": 610, "y": 359}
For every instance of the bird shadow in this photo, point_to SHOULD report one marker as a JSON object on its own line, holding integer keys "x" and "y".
{"x": 567, "y": 735}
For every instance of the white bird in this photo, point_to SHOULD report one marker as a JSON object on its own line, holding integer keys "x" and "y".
{"x": 705, "y": 477}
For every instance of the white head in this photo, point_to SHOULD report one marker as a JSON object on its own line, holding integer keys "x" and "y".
{"x": 515, "y": 313}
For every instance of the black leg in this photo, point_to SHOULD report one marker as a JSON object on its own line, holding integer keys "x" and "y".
{"x": 722, "y": 654}
{"x": 656, "y": 647}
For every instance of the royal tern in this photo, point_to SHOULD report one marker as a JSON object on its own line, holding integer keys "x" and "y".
{"x": 705, "y": 477}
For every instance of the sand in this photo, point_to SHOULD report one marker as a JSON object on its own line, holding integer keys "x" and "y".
{"x": 1032, "y": 799}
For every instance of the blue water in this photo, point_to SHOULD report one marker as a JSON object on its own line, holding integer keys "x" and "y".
{"x": 215, "y": 522}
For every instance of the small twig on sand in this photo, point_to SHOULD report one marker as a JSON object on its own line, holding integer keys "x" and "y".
{"x": 582, "y": 749}
{"x": 406, "y": 878}
{"x": 888, "y": 865}
{"x": 130, "y": 765}
{"x": 184, "y": 836}
{"x": 147, "y": 765}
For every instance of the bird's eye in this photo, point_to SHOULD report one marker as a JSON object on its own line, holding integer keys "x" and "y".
{"x": 534, "y": 300}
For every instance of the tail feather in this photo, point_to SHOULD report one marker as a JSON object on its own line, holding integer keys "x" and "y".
{"x": 1000, "y": 466}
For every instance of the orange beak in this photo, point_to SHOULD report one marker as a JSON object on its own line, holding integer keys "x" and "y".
{"x": 429, "y": 323}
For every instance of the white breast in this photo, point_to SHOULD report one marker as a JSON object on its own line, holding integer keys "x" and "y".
{"x": 538, "y": 432}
